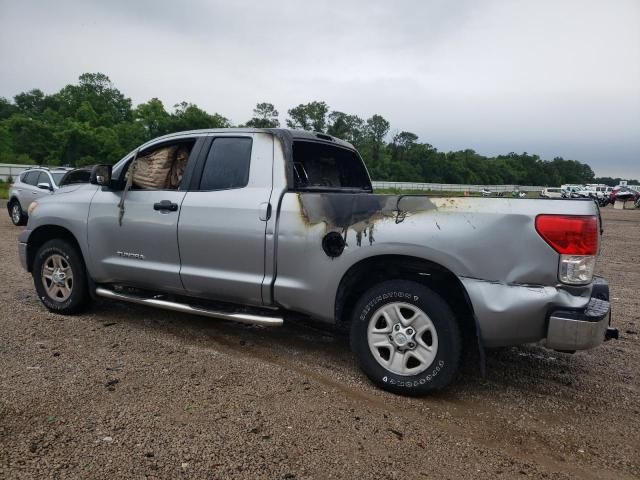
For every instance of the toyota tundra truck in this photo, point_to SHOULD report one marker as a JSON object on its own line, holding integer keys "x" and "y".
{"x": 262, "y": 226}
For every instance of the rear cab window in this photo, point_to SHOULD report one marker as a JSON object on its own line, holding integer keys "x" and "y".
{"x": 319, "y": 166}
{"x": 227, "y": 164}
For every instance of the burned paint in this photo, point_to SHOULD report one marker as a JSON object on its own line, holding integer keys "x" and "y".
{"x": 359, "y": 211}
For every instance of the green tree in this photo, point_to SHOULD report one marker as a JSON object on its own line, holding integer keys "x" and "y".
{"x": 188, "y": 116}
{"x": 265, "y": 115}
{"x": 311, "y": 116}
{"x": 346, "y": 127}
{"x": 108, "y": 102}
{"x": 376, "y": 130}
{"x": 6, "y": 108}
{"x": 152, "y": 116}
{"x": 31, "y": 102}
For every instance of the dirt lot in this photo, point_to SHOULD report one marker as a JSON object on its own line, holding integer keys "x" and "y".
{"x": 130, "y": 392}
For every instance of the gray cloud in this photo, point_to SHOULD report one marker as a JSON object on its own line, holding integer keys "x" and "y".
{"x": 547, "y": 77}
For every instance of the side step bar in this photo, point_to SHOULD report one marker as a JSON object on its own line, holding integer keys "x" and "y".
{"x": 185, "y": 308}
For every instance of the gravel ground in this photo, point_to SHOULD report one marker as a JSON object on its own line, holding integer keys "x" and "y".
{"x": 130, "y": 392}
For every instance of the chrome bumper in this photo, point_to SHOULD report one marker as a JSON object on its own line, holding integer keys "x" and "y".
{"x": 582, "y": 329}
{"x": 570, "y": 334}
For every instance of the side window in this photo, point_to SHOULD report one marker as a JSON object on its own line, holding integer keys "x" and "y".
{"x": 44, "y": 178}
{"x": 227, "y": 164}
{"x": 161, "y": 167}
{"x": 31, "y": 178}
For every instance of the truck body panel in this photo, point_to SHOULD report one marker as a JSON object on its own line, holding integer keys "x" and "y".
{"x": 266, "y": 243}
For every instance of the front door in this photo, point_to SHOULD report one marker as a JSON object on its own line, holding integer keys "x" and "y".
{"x": 141, "y": 251}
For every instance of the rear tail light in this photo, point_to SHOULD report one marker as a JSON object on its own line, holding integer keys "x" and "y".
{"x": 575, "y": 238}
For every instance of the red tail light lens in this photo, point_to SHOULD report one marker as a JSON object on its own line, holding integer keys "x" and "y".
{"x": 569, "y": 234}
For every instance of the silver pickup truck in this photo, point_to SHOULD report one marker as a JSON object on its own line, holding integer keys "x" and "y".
{"x": 263, "y": 225}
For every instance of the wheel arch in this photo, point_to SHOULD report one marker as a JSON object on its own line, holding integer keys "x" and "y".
{"x": 44, "y": 233}
{"x": 367, "y": 272}
{"x": 12, "y": 199}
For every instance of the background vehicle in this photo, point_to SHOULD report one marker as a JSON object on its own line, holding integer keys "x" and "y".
{"x": 78, "y": 175}
{"x": 593, "y": 191}
{"x": 623, "y": 193}
{"x": 571, "y": 191}
{"x": 262, "y": 225}
{"x": 551, "y": 193}
{"x": 29, "y": 185}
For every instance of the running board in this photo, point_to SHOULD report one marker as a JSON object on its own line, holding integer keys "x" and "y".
{"x": 185, "y": 308}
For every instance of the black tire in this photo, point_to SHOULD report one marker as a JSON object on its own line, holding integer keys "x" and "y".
{"x": 68, "y": 255}
{"x": 18, "y": 217}
{"x": 441, "y": 370}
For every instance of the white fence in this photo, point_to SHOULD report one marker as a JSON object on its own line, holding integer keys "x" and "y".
{"x": 455, "y": 187}
{"x": 11, "y": 170}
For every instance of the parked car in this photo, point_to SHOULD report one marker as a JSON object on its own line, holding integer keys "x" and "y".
{"x": 78, "y": 175}
{"x": 264, "y": 225}
{"x": 551, "y": 193}
{"x": 571, "y": 191}
{"x": 31, "y": 184}
{"x": 594, "y": 191}
{"x": 624, "y": 194}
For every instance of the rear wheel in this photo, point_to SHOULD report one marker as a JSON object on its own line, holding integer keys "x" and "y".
{"x": 406, "y": 338}
{"x": 18, "y": 217}
{"x": 59, "y": 277}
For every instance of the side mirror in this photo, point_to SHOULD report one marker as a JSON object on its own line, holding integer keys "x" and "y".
{"x": 101, "y": 175}
{"x": 45, "y": 186}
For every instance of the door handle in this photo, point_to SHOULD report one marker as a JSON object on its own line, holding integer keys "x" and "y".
{"x": 265, "y": 211}
{"x": 166, "y": 206}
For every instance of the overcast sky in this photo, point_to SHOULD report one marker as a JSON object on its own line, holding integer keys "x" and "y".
{"x": 553, "y": 77}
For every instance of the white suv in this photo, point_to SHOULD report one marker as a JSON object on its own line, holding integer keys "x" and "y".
{"x": 31, "y": 184}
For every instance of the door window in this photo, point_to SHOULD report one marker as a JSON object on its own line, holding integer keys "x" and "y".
{"x": 227, "y": 164}
{"x": 160, "y": 167}
{"x": 31, "y": 178}
{"x": 44, "y": 178}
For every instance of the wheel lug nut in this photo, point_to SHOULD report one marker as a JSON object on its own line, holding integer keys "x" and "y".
{"x": 410, "y": 331}
{"x": 397, "y": 327}
{"x": 411, "y": 345}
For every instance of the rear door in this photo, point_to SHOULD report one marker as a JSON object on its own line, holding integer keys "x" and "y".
{"x": 29, "y": 191}
{"x": 223, "y": 219}
{"x": 141, "y": 251}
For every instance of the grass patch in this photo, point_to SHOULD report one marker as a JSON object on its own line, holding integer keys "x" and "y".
{"x": 4, "y": 190}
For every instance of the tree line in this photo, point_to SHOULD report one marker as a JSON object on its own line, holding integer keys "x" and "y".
{"x": 94, "y": 122}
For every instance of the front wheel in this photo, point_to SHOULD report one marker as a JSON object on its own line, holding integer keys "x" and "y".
{"x": 59, "y": 277}
{"x": 18, "y": 217}
{"x": 406, "y": 338}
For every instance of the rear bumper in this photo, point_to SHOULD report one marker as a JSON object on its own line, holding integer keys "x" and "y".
{"x": 584, "y": 328}
{"x": 510, "y": 314}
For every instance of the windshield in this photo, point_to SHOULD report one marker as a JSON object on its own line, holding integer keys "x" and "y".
{"x": 57, "y": 177}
